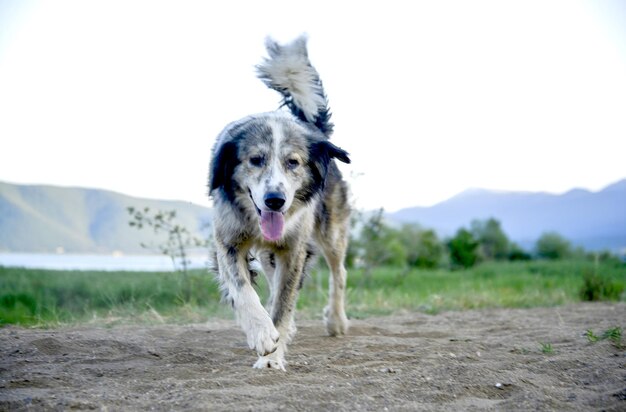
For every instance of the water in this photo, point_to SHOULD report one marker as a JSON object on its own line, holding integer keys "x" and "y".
{"x": 95, "y": 262}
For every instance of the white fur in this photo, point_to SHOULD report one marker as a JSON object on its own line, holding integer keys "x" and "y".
{"x": 277, "y": 180}
{"x": 274, "y": 360}
{"x": 288, "y": 68}
{"x": 255, "y": 321}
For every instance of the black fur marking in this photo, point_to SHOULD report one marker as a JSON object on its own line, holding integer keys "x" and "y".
{"x": 322, "y": 217}
{"x": 226, "y": 158}
{"x": 232, "y": 253}
{"x": 306, "y": 193}
{"x": 292, "y": 280}
{"x": 222, "y": 169}
{"x": 322, "y": 117}
{"x": 278, "y": 316}
{"x": 321, "y": 154}
{"x": 322, "y": 121}
{"x": 310, "y": 256}
{"x": 253, "y": 273}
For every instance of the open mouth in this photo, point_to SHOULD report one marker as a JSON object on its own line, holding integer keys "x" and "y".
{"x": 271, "y": 222}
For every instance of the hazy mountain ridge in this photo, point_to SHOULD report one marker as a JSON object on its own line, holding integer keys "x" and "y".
{"x": 41, "y": 218}
{"x": 594, "y": 220}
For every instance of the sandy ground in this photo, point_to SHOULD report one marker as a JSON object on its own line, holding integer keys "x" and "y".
{"x": 473, "y": 360}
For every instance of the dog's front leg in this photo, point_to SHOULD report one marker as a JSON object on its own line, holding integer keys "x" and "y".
{"x": 251, "y": 315}
{"x": 285, "y": 286}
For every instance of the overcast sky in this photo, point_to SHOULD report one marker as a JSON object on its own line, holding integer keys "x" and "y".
{"x": 430, "y": 98}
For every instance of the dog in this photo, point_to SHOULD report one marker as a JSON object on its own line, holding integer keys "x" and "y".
{"x": 279, "y": 197}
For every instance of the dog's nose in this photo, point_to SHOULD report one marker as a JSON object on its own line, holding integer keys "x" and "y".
{"x": 274, "y": 200}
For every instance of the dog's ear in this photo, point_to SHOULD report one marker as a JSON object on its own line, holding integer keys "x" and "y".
{"x": 224, "y": 162}
{"x": 338, "y": 153}
{"x": 320, "y": 155}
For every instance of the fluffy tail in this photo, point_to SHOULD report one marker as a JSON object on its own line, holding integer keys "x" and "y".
{"x": 289, "y": 71}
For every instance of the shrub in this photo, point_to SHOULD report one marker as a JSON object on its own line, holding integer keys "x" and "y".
{"x": 378, "y": 244}
{"x": 463, "y": 249}
{"x": 423, "y": 248}
{"x": 596, "y": 287}
{"x": 494, "y": 244}
{"x": 551, "y": 245}
{"x": 517, "y": 253}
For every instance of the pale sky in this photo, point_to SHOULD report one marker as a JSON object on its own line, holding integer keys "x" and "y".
{"x": 430, "y": 98}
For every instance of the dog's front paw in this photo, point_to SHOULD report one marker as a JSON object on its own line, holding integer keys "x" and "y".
{"x": 272, "y": 361}
{"x": 262, "y": 336}
{"x": 336, "y": 322}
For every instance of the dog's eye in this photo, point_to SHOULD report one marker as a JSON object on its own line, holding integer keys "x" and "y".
{"x": 257, "y": 161}
{"x": 293, "y": 163}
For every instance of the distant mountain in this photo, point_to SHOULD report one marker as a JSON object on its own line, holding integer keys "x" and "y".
{"x": 47, "y": 219}
{"x": 594, "y": 220}
{"x": 37, "y": 218}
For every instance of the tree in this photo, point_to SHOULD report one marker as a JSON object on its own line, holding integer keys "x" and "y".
{"x": 551, "y": 245}
{"x": 494, "y": 244}
{"x": 379, "y": 244}
{"x": 423, "y": 248}
{"x": 463, "y": 249}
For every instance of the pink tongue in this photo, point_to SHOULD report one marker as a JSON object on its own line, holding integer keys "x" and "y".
{"x": 272, "y": 225}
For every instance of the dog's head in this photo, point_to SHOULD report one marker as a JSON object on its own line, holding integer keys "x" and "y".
{"x": 272, "y": 165}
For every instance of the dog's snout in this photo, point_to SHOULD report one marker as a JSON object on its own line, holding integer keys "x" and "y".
{"x": 274, "y": 200}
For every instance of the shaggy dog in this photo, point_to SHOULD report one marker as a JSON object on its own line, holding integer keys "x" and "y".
{"x": 279, "y": 196}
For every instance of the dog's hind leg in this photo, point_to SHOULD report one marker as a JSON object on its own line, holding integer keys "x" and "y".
{"x": 267, "y": 260}
{"x": 331, "y": 234}
{"x": 333, "y": 241}
{"x": 334, "y": 314}
{"x": 234, "y": 278}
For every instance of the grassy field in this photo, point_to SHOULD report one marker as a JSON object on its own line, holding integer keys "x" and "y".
{"x": 49, "y": 298}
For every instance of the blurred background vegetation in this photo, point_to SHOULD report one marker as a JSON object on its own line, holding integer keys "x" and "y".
{"x": 377, "y": 243}
{"x": 402, "y": 268}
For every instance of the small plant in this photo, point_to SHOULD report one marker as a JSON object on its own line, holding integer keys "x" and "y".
{"x": 591, "y": 337}
{"x": 520, "y": 351}
{"x": 546, "y": 348}
{"x": 179, "y": 239}
{"x": 614, "y": 335}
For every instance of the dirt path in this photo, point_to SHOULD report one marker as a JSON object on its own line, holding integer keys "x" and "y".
{"x": 474, "y": 360}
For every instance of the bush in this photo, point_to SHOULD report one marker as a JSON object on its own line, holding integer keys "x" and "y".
{"x": 423, "y": 248}
{"x": 463, "y": 249}
{"x": 494, "y": 244}
{"x": 596, "y": 287}
{"x": 551, "y": 245}
{"x": 516, "y": 253}
{"x": 378, "y": 244}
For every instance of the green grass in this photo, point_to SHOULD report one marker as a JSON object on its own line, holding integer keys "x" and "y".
{"x": 48, "y": 298}
{"x": 591, "y": 336}
{"x": 492, "y": 284}
{"x": 546, "y": 348}
{"x": 613, "y": 334}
